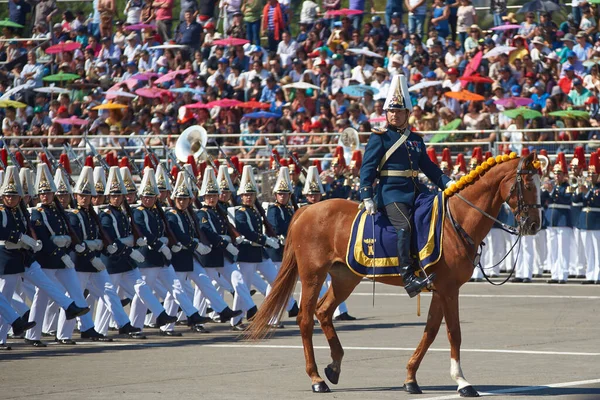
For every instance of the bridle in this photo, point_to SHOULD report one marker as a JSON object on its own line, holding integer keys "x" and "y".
{"x": 521, "y": 214}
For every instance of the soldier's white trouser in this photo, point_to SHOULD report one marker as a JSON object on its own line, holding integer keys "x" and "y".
{"x": 559, "y": 243}
{"x": 18, "y": 303}
{"x": 267, "y": 270}
{"x": 577, "y": 266}
{"x": 492, "y": 253}
{"x": 526, "y": 260}
{"x": 591, "y": 244}
{"x": 342, "y": 308}
{"x": 169, "y": 279}
{"x": 104, "y": 318}
{"x": 7, "y": 314}
{"x": 540, "y": 260}
{"x": 242, "y": 300}
{"x": 51, "y": 318}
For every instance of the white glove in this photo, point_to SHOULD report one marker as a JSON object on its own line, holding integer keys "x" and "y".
{"x": 226, "y": 238}
{"x": 111, "y": 249}
{"x": 232, "y": 249}
{"x": 272, "y": 243}
{"x": 61, "y": 240}
{"x": 98, "y": 264}
{"x": 13, "y": 246}
{"x": 127, "y": 240}
{"x": 166, "y": 252}
{"x": 95, "y": 244}
{"x": 80, "y": 248}
{"x": 141, "y": 242}
{"x": 137, "y": 256}
{"x": 28, "y": 241}
{"x": 281, "y": 239}
{"x": 203, "y": 249}
{"x": 370, "y": 206}
{"x": 450, "y": 183}
{"x": 164, "y": 240}
{"x": 240, "y": 239}
{"x": 176, "y": 248}
{"x": 68, "y": 240}
{"x": 67, "y": 261}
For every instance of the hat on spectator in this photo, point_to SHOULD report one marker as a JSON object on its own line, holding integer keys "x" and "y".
{"x": 489, "y": 42}
{"x": 536, "y": 107}
{"x": 539, "y": 86}
{"x": 132, "y": 36}
{"x": 375, "y": 18}
{"x": 397, "y": 58}
{"x": 569, "y": 37}
{"x": 515, "y": 90}
{"x": 395, "y": 14}
{"x": 510, "y": 18}
{"x": 237, "y": 13}
{"x": 300, "y": 110}
{"x": 506, "y": 68}
{"x": 337, "y": 24}
{"x": 381, "y": 71}
{"x": 530, "y": 74}
{"x": 337, "y": 57}
{"x": 155, "y": 120}
{"x": 556, "y": 90}
{"x": 62, "y": 109}
{"x": 489, "y": 102}
{"x": 538, "y": 40}
{"x": 581, "y": 34}
{"x": 38, "y": 109}
{"x": 319, "y": 62}
{"x": 374, "y": 32}
{"x": 131, "y": 64}
{"x": 552, "y": 56}
{"x": 577, "y": 81}
{"x": 450, "y": 43}
{"x": 316, "y": 125}
{"x": 162, "y": 61}
{"x": 570, "y": 68}
{"x": 57, "y": 26}
{"x": 341, "y": 110}
{"x": 452, "y": 71}
{"x": 497, "y": 86}
{"x": 430, "y": 75}
{"x": 570, "y": 53}
{"x": 106, "y": 39}
{"x": 223, "y": 60}
{"x": 210, "y": 25}
{"x": 341, "y": 121}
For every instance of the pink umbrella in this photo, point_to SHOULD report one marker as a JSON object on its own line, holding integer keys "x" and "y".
{"x": 198, "y": 106}
{"x": 145, "y": 76}
{"x": 230, "y": 41}
{"x": 169, "y": 76}
{"x": 139, "y": 27}
{"x": 472, "y": 67}
{"x": 62, "y": 47}
{"x": 225, "y": 103}
{"x": 151, "y": 93}
{"x": 344, "y": 11}
{"x": 254, "y": 104}
{"x": 518, "y": 101}
{"x": 131, "y": 83}
{"x": 505, "y": 27}
{"x": 378, "y": 119}
{"x": 73, "y": 120}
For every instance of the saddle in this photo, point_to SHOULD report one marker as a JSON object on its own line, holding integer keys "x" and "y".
{"x": 372, "y": 249}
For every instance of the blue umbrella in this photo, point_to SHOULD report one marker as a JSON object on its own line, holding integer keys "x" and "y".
{"x": 359, "y": 90}
{"x": 186, "y": 90}
{"x": 262, "y": 114}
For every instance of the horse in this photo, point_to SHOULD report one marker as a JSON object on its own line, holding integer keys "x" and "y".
{"x": 317, "y": 243}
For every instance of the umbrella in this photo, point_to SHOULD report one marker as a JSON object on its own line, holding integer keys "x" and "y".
{"x": 52, "y": 90}
{"x": 151, "y": 93}
{"x": 169, "y": 76}
{"x": 230, "y": 41}
{"x": 10, "y": 92}
{"x": 344, "y": 11}
{"x": 464, "y": 95}
{"x": 539, "y": 6}
{"x": 225, "y": 103}
{"x": 73, "y": 120}
{"x": 9, "y": 24}
{"x": 518, "y": 101}
{"x": 524, "y": 112}
{"x": 168, "y": 46}
{"x": 12, "y": 103}
{"x": 110, "y": 106}
{"x": 262, "y": 114}
{"x": 61, "y": 77}
{"x": 198, "y": 105}
{"x": 254, "y": 104}
{"x": 111, "y": 94}
{"x": 186, "y": 90}
{"x": 496, "y": 51}
{"x": 301, "y": 85}
{"x": 570, "y": 114}
{"x": 131, "y": 83}
{"x": 593, "y": 61}
{"x": 62, "y": 47}
{"x": 365, "y": 52}
{"x": 440, "y": 136}
{"x": 505, "y": 27}
{"x": 476, "y": 79}
{"x": 423, "y": 85}
{"x": 452, "y": 125}
{"x": 473, "y": 65}
{"x": 145, "y": 76}
{"x": 139, "y": 27}
{"x": 359, "y": 90}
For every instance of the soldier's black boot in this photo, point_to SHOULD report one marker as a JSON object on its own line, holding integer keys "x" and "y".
{"x": 412, "y": 284}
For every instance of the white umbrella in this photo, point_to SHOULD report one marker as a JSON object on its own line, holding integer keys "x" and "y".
{"x": 168, "y": 46}
{"x": 52, "y": 90}
{"x": 423, "y": 85}
{"x": 120, "y": 93}
{"x": 366, "y": 52}
{"x": 301, "y": 85}
{"x": 10, "y": 92}
{"x": 496, "y": 51}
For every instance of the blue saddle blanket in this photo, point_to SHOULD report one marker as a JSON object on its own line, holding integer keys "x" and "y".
{"x": 372, "y": 248}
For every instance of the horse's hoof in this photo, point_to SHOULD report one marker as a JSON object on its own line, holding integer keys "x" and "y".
{"x": 333, "y": 376}
{"x": 412, "y": 388}
{"x": 468, "y": 391}
{"x": 320, "y": 387}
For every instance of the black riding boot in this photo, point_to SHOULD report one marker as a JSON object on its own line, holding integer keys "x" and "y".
{"x": 412, "y": 284}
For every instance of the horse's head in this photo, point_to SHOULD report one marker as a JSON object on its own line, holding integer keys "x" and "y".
{"x": 524, "y": 195}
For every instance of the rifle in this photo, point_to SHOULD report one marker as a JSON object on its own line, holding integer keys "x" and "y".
{"x": 69, "y": 151}
{"x": 292, "y": 197}
{"x": 22, "y": 205}
{"x": 155, "y": 163}
{"x": 293, "y": 156}
{"x": 57, "y": 166}
{"x": 134, "y": 168}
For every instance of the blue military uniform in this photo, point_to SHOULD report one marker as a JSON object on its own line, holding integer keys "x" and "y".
{"x": 152, "y": 227}
{"x": 249, "y": 223}
{"x": 182, "y": 227}
{"x": 214, "y": 226}
{"x": 590, "y": 217}
{"x": 279, "y": 216}
{"x": 559, "y": 206}
{"x": 116, "y": 225}
{"x": 339, "y": 188}
{"x": 87, "y": 230}
{"x": 47, "y": 222}
{"x": 13, "y": 226}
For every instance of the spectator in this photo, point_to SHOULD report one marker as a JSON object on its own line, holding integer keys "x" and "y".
{"x": 309, "y": 12}
{"x": 163, "y": 10}
{"x": 417, "y": 9}
{"x": 466, "y": 17}
{"x": 578, "y": 94}
{"x": 498, "y": 8}
{"x": 107, "y": 10}
{"x": 185, "y": 5}
{"x": 583, "y": 50}
{"x": 272, "y": 23}
{"x": 528, "y": 27}
{"x": 286, "y": 49}
{"x": 441, "y": 14}
{"x": 44, "y": 11}
{"x": 189, "y": 32}
{"x": 229, "y": 8}
{"x": 588, "y": 22}
{"x": 237, "y": 28}
{"x": 18, "y": 10}
{"x": 133, "y": 11}
{"x": 252, "y": 17}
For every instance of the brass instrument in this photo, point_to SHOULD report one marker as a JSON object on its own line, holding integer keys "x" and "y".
{"x": 192, "y": 141}
{"x": 544, "y": 162}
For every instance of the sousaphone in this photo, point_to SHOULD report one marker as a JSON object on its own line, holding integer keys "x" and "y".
{"x": 191, "y": 141}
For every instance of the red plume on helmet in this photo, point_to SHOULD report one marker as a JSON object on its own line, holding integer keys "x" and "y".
{"x": 66, "y": 163}
{"x": 580, "y": 155}
{"x": 124, "y": 162}
{"x": 544, "y": 152}
{"x": 317, "y": 163}
{"x": 594, "y": 161}
{"x": 562, "y": 161}
{"x": 271, "y": 162}
{"x": 109, "y": 159}
{"x": 460, "y": 161}
{"x": 192, "y": 161}
{"x": 477, "y": 154}
{"x": 447, "y": 157}
{"x": 432, "y": 155}
{"x": 356, "y": 161}
{"x": 147, "y": 162}
{"x": 488, "y": 155}
{"x": 217, "y": 164}
{"x": 235, "y": 161}
{"x": 525, "y": 152}
{"x": 44, "y": 159}
{"x": 507, "y": 150}
{"x": 201, "y": 169}
{"x": 174, "y": 172}
{"x": 20, "y": 159}
{"x": 89, "y": 161}
{"x": 4, "y": 156}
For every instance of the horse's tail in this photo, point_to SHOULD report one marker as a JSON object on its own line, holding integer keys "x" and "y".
{"x": 282, "y": 289}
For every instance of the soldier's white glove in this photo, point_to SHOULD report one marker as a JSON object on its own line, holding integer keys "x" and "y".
{"x": 98, "y": 264}
{"x": 61, "y": 240}
{"x": 226, "y": 238}
{"x": 95, "y": 244}
{"x": 141, "y": 242}
{"x": 14, "y": 246}
{"x": 35, "y": 245}
{"x": 203, "y": 249}
{"x": 370, "y": 206}
{"x": 111, "y": 249}
{"x": 232, "y": 250}
{"x": 164, "y": 240}
{"x": 127, "y": 240}
{"x": 272, "y": 243}
{"x": 67, "y": 261}
{"x": 80, "y": 248}
{"x": 166, "y": 252}
{"x": 240, "y": 239}
{"x": 176, "y": 248}
{"x": 137, "y": 256}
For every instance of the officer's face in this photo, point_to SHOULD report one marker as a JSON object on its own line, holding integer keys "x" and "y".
{"x": 130, "y": 198}
{"x": 398, "y": 118}
{"x": 163, "y": 195}
{"x": 211, "y": 199}
{"x": 11, "y": 200}
{"x": 337, "y": 169}
{"x": 115, "y": 200}
{"x": 148, "y": 201}
{"x": 248, "y": 199}
{"x": 84, "y": 200}
{"x": 225, "y": 196}
{"x": 26, "y": 199}
{"x": 282, "y": 198}
{"x": 182, "y": 203}
{"x": 64, "y": 199}
{"x": 46, "y": 198}
{"x": 98, "y": 200}
{"x": 313, "y": 198}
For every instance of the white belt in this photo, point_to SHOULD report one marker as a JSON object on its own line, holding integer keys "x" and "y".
{"x": 560, "y": 206}
{"x": 577, "y": 204}
{"x": 591, "y": 209}
{"x": 409, "y": 173}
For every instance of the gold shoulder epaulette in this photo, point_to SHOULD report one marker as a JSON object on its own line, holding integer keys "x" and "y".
{"x": 378, "y": 131}
{"x": 242, "y": 208}
{"x": 75, "y": 211}
{"x": 40, "y": 209}
{"x": 174, "y": 211}
{"x": 141, "y": 208}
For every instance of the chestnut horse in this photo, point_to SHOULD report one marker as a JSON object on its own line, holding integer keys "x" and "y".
{"x": 317, "y": 242}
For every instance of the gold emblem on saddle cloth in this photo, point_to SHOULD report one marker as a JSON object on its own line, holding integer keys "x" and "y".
{"x": 370, "y": 246}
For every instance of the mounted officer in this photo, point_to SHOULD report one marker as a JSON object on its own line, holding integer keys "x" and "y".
{"x": 395, "y": 156}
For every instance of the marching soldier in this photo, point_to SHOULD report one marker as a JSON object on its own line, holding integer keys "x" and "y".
{"x": 559, "y": 224}
{"x": 99, "y": 200}
{"x": 589, "y": 223}
{"x": 296, "y": 184}
{"x": 355, "y": 165}
{"x": 338, "y": 186}
{"x": 577, "y": 265}
{"x": 164, "y": 186}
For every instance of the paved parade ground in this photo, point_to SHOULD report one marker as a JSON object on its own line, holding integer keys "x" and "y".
{"x": 519, "y": 340}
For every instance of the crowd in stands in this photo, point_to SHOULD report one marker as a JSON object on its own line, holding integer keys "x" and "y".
{"x": 316, "y": 67}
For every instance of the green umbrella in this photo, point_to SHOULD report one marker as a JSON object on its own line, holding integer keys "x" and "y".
{"x": 594, "y": 1}
{"x": 593, "y": 61}
{"x": 9, "y": 24}
{"x": 61, "y": 77}
{"x": 452, "y": 125}
{"x": 570, "y": 114}
{"x": 524, "y": 112}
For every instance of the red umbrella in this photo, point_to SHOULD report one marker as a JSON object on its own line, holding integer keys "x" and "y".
{"x": 472, "y": 66}
{"x": 169, "y": 76}
{"x": 344, "y": 11}
{"x": 198, "y": 106}
{"x": 476, "y": 79}
{"x": 62, "y": 47}
{"x": 151, "y": 93}
{"x": 139, "y": 27}
{"x": 145, "y": 76}
{"x": 225, "y": 103}
{"x": 518, "y": 101}
{"x": 73, "y": 120}
{"x": 254, "y": 104}
{"x": 230, "y": 41}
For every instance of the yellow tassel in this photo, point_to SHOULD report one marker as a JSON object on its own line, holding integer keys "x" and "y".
{"x": 486, "y": 165}
{"x": 499, "y": 159}
{"x": 448, "y": 193}
{"x": 512, "y": 155}
{"x": 468, "y": 178}
{"x": 505, "y": 158}
{"x": 460, "y": 184}
{"x": 491, "y": 161}
{"x": 473, "y": 174}
{"x": 479, "y": 170}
